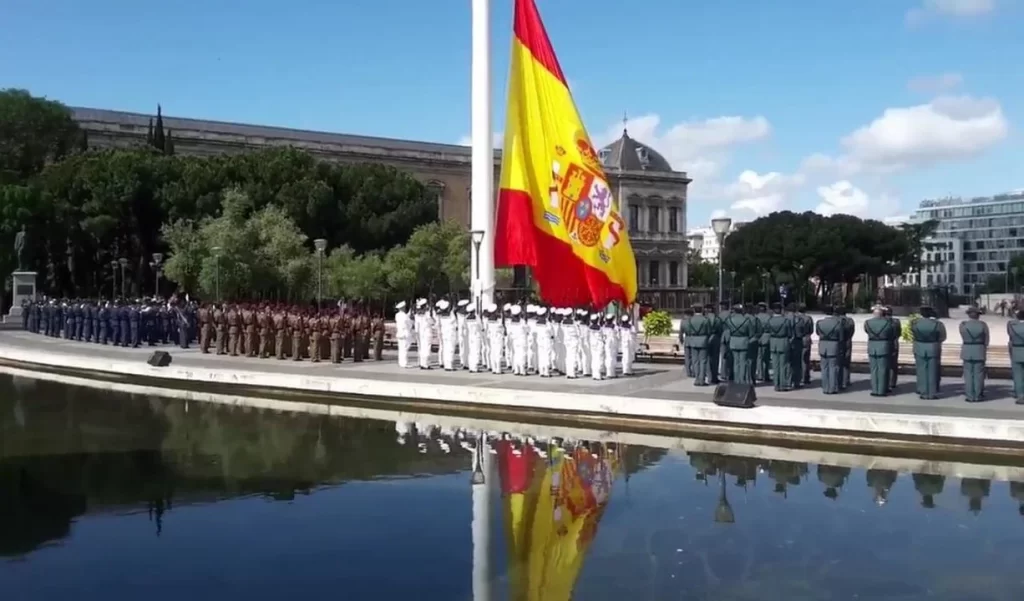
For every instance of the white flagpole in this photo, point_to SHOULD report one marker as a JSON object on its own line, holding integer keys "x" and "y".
{"x": 482, "y": 200}
{"x": 481, "y": 525}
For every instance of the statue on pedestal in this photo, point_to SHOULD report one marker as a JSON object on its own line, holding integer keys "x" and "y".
{"x": 20, "y": 242}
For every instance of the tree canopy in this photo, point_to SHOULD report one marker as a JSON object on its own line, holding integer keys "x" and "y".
{"x": 83, "y": 210}
{"x": 838, "y": 249}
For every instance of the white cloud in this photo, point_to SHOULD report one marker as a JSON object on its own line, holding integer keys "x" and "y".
{"x": 950, "y": 8}
{"x": 498, "y": 139}
{"x": 935, "y": 84}
{"x": 700, "y": 147}
{"x": 761, "y": 193}
{"x": 948, "y": 128}
{"x": 842, "y": 197}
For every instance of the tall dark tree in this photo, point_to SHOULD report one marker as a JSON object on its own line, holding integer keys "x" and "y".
{"x": 917, "y": 235}
{"x": 169, "y": 144}
{"x": 149, "y": 134}
{"x": 159, "y": 137}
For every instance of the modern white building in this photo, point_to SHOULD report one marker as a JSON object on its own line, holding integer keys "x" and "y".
{"x": 704, "y": 240}
{"x": 944, "y": 266}
{"x": 982, "y": 234}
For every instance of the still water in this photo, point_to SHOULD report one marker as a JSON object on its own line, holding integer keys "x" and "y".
{"x": 116, "y": 496}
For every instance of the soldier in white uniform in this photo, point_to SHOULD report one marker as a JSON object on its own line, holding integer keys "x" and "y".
{"x": 627, "y": 344}
{"x": 403, "y": 334}
{"x": 424, "y": 333}
{"x": 461, "y": 334}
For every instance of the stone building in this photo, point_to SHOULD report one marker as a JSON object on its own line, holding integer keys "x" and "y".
{"x": 652, "y": 195}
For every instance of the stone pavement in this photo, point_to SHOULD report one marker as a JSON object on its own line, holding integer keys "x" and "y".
{"x": 651, "y": 381}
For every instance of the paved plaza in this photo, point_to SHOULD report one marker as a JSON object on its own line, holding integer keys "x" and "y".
{"x": 651, "y": 381}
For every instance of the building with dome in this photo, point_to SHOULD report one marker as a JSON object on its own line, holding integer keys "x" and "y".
{"x": 652, "y": 195}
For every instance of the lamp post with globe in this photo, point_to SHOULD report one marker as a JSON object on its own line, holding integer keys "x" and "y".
{"x": 477, "y": 237}
{"x": 320, "y": 244}
{"x": 721, "y": 225}
{"x": 113, "y": 284}
{"x": 123, "y": 262}
{"x": 216, "y": 272}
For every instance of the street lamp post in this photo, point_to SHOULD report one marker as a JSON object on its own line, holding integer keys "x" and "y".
{"x": 124, "y": 265}
{"x": 320, "y": 244}
{"x": 721, "y": 226}
{"x": 723, "y": 511}
{"x": 158, "y": 259}
{"x": 216, "y": 272}
{"x": 113, "y": 285}
{"x": 477, "y": 236}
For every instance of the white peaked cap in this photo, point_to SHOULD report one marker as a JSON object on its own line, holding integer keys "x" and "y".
{"x": 594, "y": 317}
{"x": 516, "y": 309}
{"x": 541, "y": 311}
{"x": 625, "y": 318}
{"x": 421, "y": 302}
{"x": 400, "y": 305}
{"x": 581, "y": 311}
{"x": 462, "y": 303}
{"x": 443, "y": 304}
{"x": 531, "y": 308}
{"x": 506, "y": 306}
{"x": 471, "y": 309}
{"x": 492, "y": 307}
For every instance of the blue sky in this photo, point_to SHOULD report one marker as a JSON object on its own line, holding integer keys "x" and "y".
{"x": 863, "y": 107}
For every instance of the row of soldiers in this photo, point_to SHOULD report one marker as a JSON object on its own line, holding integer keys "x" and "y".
{"x": 749, "y": 345}
{"x": 526, "y": 338}
{"x": 282, "y": 331}
{"x": 121, "y": 322}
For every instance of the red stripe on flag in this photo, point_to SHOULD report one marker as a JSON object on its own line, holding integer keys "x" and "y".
{"x": 529, "y": 30}
{"x": 565, "y": 279}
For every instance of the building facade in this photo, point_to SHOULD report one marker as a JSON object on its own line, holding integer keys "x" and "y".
{"x": 652, "y": 196}
{"x": 989, "y": 231}
{"x": 944, "y": 266}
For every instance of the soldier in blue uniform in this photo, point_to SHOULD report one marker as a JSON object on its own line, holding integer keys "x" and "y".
{"x": 79, "y": 320}
{"x": 115, "y": 323}
{"x": 974, "y": 352}
{"x": 1015, "y": 337}
{"x": 125, "y": 315}
{"x": 134, "y": 324}
{"x": 796, "y": 347}
{"x": 699, "y": 336}
{"x": 104, "y": 323}
{"x": 88, "y": 314}
{"x": 780, "y": 328}
{"x": 879, "y": 331}
{"x": 684, "y": 341}
{"x": 741, "y": 331}
{"x": 714, "y": 343}
{"x": 830, "y": 343}
{"x": 37, "y": 315}
{"x": 69, "y": 321}
{"x": 929, "y": 334}
{"x": 726, "y": 370}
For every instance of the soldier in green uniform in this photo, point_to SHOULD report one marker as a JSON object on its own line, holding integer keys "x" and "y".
{"x": 796, "y": 347}
{"x": 740, "y": 330}
{"x": 894, "y": 361}
{"x": 698, "y": 335}
{"x": 1015, "y": 335}
{"x": 726, "y": 372}
{"x": 805, "y": 357}
{"x": 928, "y": 486}
{"x": 929, "y": 334}
{"x": 684, "y": 341}
{"x": 830, "y": 344}
{"x": 764, "y": 350}
{"x": 973, "y": 353}
{"x": 879, "y": 331}
{"x": 714, "y": 342}
{"x": 849, "y": 327}
{"x": 780, "y": 329}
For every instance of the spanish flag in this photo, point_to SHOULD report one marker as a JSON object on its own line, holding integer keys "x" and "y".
{"x": 556, "y": 211}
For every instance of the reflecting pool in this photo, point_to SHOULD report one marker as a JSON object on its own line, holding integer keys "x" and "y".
{"x": 108, "y": 495}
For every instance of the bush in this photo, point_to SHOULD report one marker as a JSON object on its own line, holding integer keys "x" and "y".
{"x": 657, "y": 323}
{"x": 905, "y": 334}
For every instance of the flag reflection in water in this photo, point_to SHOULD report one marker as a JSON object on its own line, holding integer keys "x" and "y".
{"x": 553, "y": 501}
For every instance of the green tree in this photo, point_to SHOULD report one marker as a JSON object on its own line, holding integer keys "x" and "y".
{"x": 401, "y": 268}
{"x": 188, "y": 251}
{"x": 34, "y": 132}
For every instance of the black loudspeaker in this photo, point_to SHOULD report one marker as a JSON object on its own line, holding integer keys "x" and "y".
{"x": 731, "y": 394}
{"x": 160, "y": 359}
